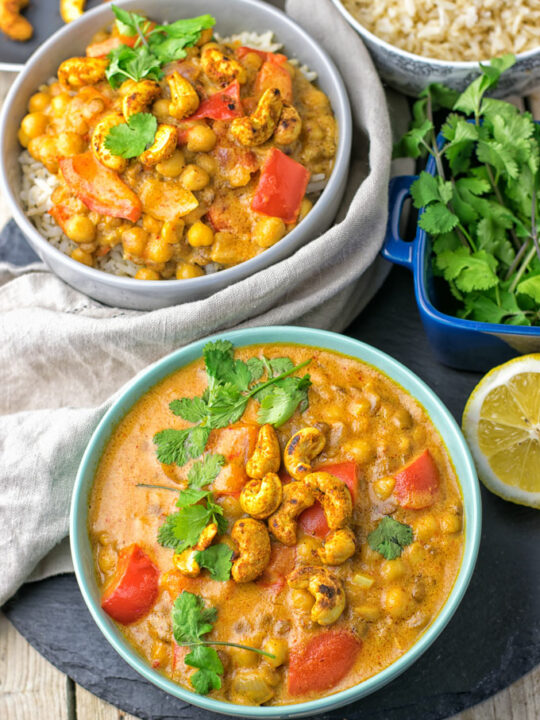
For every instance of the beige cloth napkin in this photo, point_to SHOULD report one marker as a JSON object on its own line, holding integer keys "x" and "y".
{"x": 63, "y": 355}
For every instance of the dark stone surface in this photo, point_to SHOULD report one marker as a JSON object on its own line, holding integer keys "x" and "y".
{"x": 493, "y": 639}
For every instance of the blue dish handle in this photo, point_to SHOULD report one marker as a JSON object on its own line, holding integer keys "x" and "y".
{"x": 394, "y": 248}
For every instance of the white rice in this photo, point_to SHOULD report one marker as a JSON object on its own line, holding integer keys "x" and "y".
{"x": 38, "y": 183}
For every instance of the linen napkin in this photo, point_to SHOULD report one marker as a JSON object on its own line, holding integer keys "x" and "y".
{"x": 63, "y": 355}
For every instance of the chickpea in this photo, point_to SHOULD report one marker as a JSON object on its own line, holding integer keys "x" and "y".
{"x": 77, "y": 124}
{"x": 404, "y": 444}
{"x": 450, "y": 523}
{"x": 367, "y": 612}
{"x": 207, "y": 162}
{"x": 69, "y": 143}
{"x": 244, "y": 658}
{"x": 305, "y": 207}
{"x": 43, "y": 148}
{"x": 201, "y": 138}
{"x": 277, "y": 647}
{"x": 59, "y": 104}
{"x": 396, "y": 602}
{"x": 252, "y": 60}
{"x": 384, "y": 487}
{"x": 82, "y": 257}
{"x": 426, "y": 527}
{"x": 172, "y": 231}
{"x": 393, "y": 569}
{"x": 38, "y": 102}
{"x": 360, "y": 407}
{"x": 239, "y": 176}
{"x": 134, "y": 241}
{"x": 314, "y": 98}
{"x": 302, "y": 600}
{"x": 194, "y": 178}
{"x": 146, "y": 274}
{"x": 80, "y": 229}
{"x": 34, "y": 124}
{"x": 107, "y": 559}
{"x": 56, "y": 88}
{"x": 268, "y": 231}
{"x": 416, "y": 554}
{"x": 172, "y": 167}
{"x": 161, "y": 109}
{"x": 200, "y": 235}
{"x": 402, "y": 419}
{"x": 361, "y": 450}
{"x": 23, "y": 138}
{"x": 306, "y": 551}
{"x": 185, "y": 271}
{"x": 158, "y": 250}
{"x": 150, "y": 224}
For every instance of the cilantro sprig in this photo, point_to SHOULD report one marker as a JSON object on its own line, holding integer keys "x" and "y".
{"x": 231, "y": 384}
{"x": 191, "y": 620}
{"x": 130, "y": 139}
{"x": 155, "y": 46}
{"x": 481, "y": 209}
{"x": 390, "y": 537}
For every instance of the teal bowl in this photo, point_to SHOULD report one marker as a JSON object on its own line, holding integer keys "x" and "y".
{"x": 439, "y": 415}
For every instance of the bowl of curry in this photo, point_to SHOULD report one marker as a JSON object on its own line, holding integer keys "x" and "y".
{"x": 154, "y": 155}
{"x": 274, "y": 528}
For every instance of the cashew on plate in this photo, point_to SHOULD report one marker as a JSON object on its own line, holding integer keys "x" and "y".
{"x": 326, "y": 588}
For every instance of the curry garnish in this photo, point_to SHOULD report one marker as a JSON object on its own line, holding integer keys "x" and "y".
{"x": 217, "y": 559}
{"x": 390, "y": 537}
{"x": 129, "y": 140}
{"x": 191, "y": 620}
{"x": 155, "y": 45}
{"x": 230, "y": 386}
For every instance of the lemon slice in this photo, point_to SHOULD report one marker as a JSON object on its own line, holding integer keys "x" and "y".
{"x": 501, "y": 422}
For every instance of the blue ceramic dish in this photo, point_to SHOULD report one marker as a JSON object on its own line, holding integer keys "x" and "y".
{"x": 463, "y": 344}
{"x": 443, "y": 421}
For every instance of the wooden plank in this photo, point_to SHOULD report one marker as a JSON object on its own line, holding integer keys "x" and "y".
{"x": 89, "y": 707}
{"x": 31, "y": 688}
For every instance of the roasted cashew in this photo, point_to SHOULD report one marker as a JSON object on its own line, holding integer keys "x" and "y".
{"x": 339, "y": 546}
{"x": 139, "y": 97}
{"x": 303, "y": 447}
{"x": 79, "y": 71}
{"x": 297, "y": 497}
{"x": 260, "y": 498}
{"x": 267, "y": 457}
{"x": 334, "y": 497}
{"x": 184, "y": 98}
{"x": 220, "y": 67}
{"x": 71, "y": 9}
{"x": 289, "y": 126}
{"x": 185, "y": 561}
{"x": 105, "y": 156}
{"x": 326, "y": 588}
{"x": 12, "y": 22}
{"x": 257, "y": 128}
{"x": 162, "y": 148}
{"x": 251, "y": 537}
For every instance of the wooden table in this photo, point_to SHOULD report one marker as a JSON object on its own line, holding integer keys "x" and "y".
{"x": 32, "y": 689}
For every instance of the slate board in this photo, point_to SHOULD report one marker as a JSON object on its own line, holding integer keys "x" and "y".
{"x": 493, "y": 639}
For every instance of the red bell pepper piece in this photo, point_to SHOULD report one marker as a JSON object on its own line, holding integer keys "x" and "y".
{"x": 222, "y": 105}
{"x": 346, "y": 471}
{"x": 280, "y": 565}
{"x": 417, "y": 483}
{"x": 323, "y": 662}
{"x": 282, "y": 186}
{"x": 61, "y": 214}
{"x": 273, "y": 75}
{"x": 102, "y": 49}
{"x": 134, "y": 587}
{"x": 100, "y": 188}
{"x": 278, "y": 58}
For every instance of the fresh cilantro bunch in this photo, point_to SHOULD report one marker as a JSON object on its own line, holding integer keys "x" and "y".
{"x": 231, "y": 384}
{"x": 191, "y": 619}
{"x": 155, "y": 46}
{"x": 130, "y": 139}
{"x": 481, "y": 208}
{"x": 390, "y": 537}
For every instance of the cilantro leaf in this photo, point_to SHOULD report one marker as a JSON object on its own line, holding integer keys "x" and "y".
{"x": 279, "y": 401}
{"x": 218, "y": 560}
{"x": 187, "y": 26}
{"x": 390, "y": 537}
{"x": 204, "y": 471}
{"x": 210, "y": 668}
{"x": 190, "y": 409}
{"x": 182, "y": 529}
{"x": 127, "y": 22}
{"x": 531, "y": 287}
{"x": 178, "y": 446}
{"x": 424, "y": 190}
{"x": 437, "y": 218}
{"x": 130, "y": 139}
{"x": 469, "y": 271}
{"x": 132, "y": 63}
{"x": 412, "y": 144}
{"x": 190, "y": 618}
{"x": 191, "y": 496}
{"x": 470, "y": 101}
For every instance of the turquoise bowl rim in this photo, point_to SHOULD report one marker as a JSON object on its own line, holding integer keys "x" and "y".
{"x": 440, "y": 416}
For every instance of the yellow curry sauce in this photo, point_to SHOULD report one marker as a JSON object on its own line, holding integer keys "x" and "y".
{"x": 231, "y": 121}
{"x": 368, "y": 422}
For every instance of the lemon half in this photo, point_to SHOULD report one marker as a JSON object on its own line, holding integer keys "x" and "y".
{"x": 501, "y": 422}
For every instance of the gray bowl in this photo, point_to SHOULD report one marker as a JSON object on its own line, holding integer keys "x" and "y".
{"x": 232, "y": 16}
{"x": 410, "y": 73}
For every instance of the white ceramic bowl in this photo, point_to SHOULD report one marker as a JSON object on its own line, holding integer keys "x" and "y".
{"x": 410, "y": 73}
{"x": 232, "y": 17}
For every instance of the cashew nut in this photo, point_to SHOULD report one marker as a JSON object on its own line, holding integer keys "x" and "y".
{"x": 79, "y": 71}
{"x": 139, "y": 96}
{"x": 266, "y": 458}
{"x": 297, "y": 497}
{"x": 184, "y": 98}
{"x": 260, "y": 498}
{"x": 253, "y": 542}
{"x": 339, "y": 546}
{"x": 162, "y": 148}
{"x": 301, "y": 449}
{"x": 71, "y": 9}
{"x": 185, "y": 561}
{"x": 105, "y": 156}
{"x": 12, "y": 22}
{"x": 334, "y": 497}
{"x": 220, "y": 67}
{"x": 289, "y": 125}
{"x": 258, "y": 127}
{"x": 326, "y": 588}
